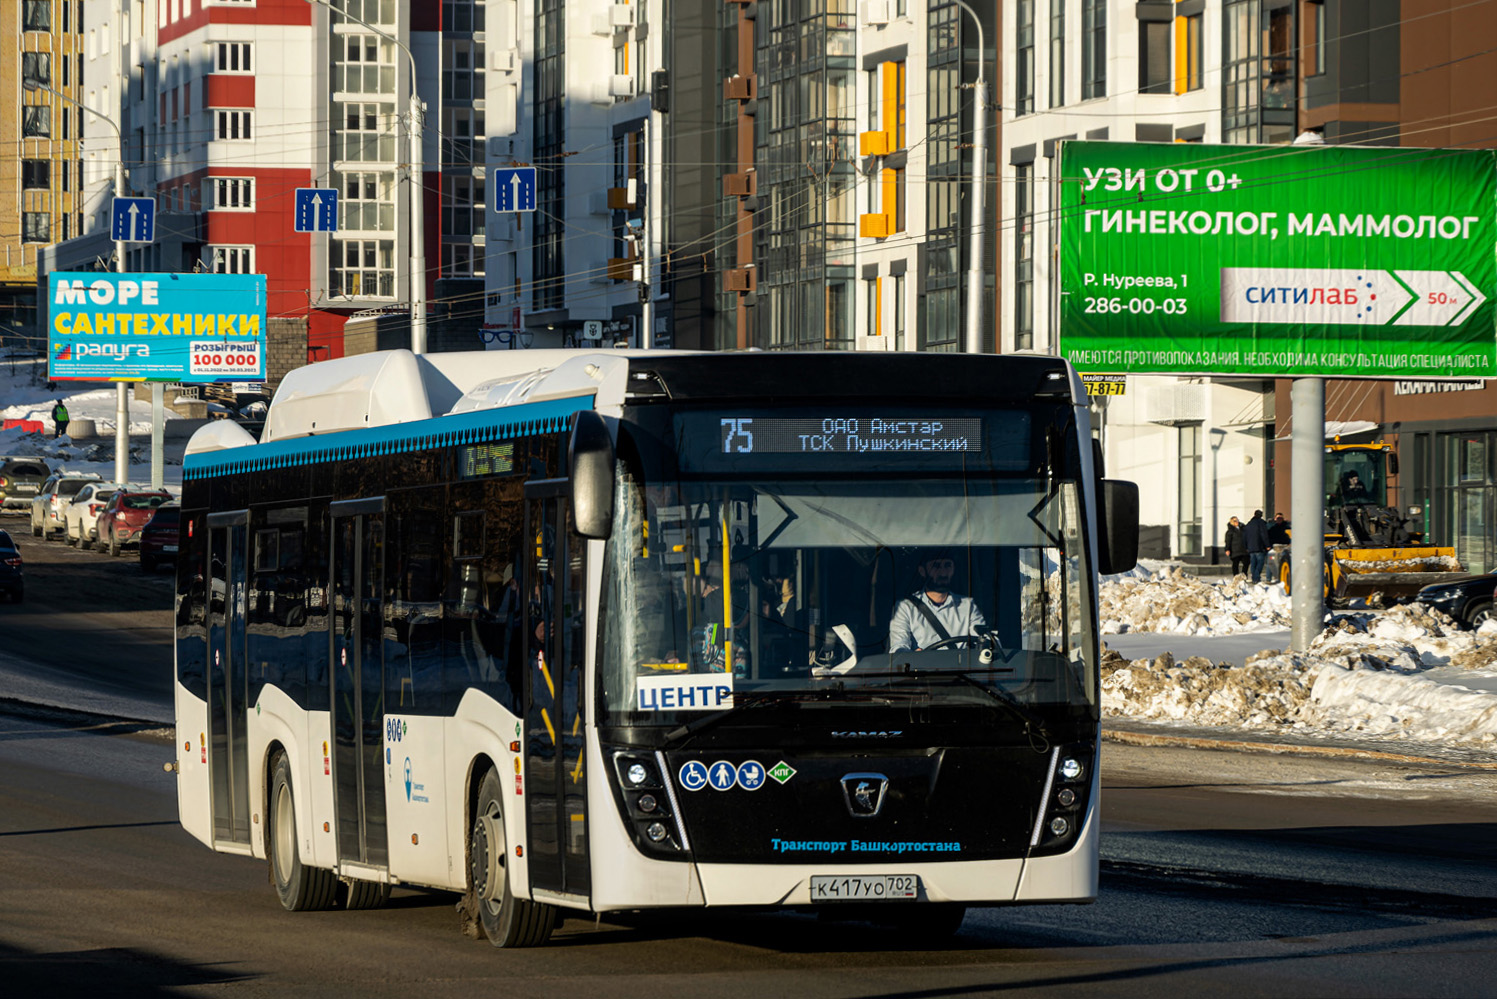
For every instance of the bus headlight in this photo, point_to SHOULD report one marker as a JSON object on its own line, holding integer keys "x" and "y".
{"x": 1071, "y": 768}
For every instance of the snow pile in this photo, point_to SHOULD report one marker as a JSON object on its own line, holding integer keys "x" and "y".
{"x": 1170, "y": 600}
{"x": 1365, "y": 676}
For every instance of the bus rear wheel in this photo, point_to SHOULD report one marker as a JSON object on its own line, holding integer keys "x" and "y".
{"x": 301, "y": 888}
{"x": 507, "y": 921}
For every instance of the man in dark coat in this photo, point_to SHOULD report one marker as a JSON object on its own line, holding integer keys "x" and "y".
{"x": 1236, "y": 547}
{"x": 1278, "y": 531}
{"x": 1255, "y": 539}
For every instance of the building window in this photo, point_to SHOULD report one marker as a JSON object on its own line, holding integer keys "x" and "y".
{"x": 229, "y": 194}
{"x": 1093, "y": 49}
{"x": 230, "y": 259}
{"x": 1057, "y": 53}
{"x": 1188, "y": 539}
{"x": 875, "y": 316}
{"x": 463, "y": 131}
{"x": 1024, "y": 70}
{"x": 36, "y": 175}
{"x": 1240, "y": 72}
{"x": 367, "y": 134}
{"x": 368, "y": 201}
{"x": 36, "y": 227}
{"x": 462, "y": 206}
{"x": 899, "y": 312}
{"x": 36, "y": 121}
{"x": 234, "y": 57}
{"x": 36, "y": 15}
{"x": 1188, "y": 53}
{"x": 367, "y": 67}
{"x": 1315, "y": 42}
{"x": 1024, "y": 256}
{"x": 363, "y": 267}
{"x": 462, "y": 70}
{"x": 462, "y": 16}
{"x": 1155, "y": 74}
{"x": 235, "y": 125}
{"x": 36, "y": 67}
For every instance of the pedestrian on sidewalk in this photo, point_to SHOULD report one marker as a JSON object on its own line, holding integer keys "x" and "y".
{"x": 60, "y": 419}
{"x": 1278, "y": 531}
{"x": 1255, "y": 539}
{"x": 1236, "y": 547}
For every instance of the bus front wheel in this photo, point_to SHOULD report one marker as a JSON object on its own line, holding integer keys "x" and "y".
{"x": 507, "y": 921}
{"x": 301, "y": 888}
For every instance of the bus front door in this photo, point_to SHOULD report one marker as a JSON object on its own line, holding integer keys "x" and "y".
{"x": 555, "y": 781}
{"x": 228, "y": 678}
{"x": 357, "y": 679}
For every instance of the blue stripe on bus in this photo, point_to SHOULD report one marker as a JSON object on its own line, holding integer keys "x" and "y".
{"x": 551, "y": 416}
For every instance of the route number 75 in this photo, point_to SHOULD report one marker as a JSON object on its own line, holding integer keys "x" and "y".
{"x": 737, "y": 429}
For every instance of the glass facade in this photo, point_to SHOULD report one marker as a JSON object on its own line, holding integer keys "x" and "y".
{"x": 806, "y": 139}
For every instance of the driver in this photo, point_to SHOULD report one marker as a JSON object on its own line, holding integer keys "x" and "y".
{"x": 933, "y": 613}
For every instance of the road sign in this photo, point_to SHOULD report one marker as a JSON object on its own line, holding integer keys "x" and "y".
{"x": 1337, "y": 261}
{"x": 133, "y": 220}
{"x": 316, "y": 209}
{"x": 513, "y": 189}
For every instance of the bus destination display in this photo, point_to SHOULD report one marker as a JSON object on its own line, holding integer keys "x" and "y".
{"x": 477, "y": 460}
{"x": 848, "y": 434}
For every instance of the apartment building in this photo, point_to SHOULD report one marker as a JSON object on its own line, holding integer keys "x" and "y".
{"x": 1383, "y": 72}
{"x": 228, "y": 107}
{"x": 41, "y": 190}
{"x": 774, "y": 174}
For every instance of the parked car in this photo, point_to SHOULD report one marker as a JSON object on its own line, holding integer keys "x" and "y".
{"x": 12, "y": 583}
{"x": 1468, "y": 599}
{"x": 120, "y": 522}
{"x": 82, "y": 512}
{"x": 20, "y": 478}
{"x": 48, "y": 503}
{"x": 158, "y": 539}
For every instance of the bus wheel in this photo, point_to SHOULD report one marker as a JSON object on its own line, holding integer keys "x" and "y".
{"x": 507, "y": 921}
{"x": 301, "y": 888}
{"x": 366, "y": 895}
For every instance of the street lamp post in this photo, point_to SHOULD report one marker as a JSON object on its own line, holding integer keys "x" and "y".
{"x": 121, "y": 402}
{"x": 979, "y": 191}
{"x": 418, "y": 235}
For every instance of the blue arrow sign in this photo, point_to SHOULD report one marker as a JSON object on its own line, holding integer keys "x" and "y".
{"x": 513, "y": 189}
{"x": 316, "y": 209}
{"x": 133, "y": 220}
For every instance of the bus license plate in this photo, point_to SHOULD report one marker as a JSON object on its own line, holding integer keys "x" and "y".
{"x": 863, "y": 887}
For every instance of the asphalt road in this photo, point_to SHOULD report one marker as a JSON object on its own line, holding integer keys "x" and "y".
{"x": 1223, "y": 874}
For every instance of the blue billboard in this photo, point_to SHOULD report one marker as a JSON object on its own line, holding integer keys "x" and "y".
{"x": 156, "y": 327}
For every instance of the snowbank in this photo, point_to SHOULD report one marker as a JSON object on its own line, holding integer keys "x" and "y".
{"x": 1365, "y": 676}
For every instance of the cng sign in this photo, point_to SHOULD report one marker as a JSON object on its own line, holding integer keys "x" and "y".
{"x": 1278, "y": 260}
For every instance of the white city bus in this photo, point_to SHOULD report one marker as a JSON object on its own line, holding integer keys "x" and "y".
{"x": 603, "y": 631}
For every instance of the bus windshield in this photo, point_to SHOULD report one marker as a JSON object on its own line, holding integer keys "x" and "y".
{"x": 966, "y": 588}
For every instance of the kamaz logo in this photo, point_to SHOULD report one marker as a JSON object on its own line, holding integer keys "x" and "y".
{"x": 124, "y": 351}
{"x": 890, "y": 734}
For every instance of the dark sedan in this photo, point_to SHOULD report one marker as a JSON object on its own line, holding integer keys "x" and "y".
{"x": 158, "y": 539}
{"x": 12, "y": 583}
{"x": 1467, "y": 599}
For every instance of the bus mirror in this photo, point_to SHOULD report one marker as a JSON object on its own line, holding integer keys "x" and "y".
{"x": 591, "y": 459}
{"x": 1118, "y": 544}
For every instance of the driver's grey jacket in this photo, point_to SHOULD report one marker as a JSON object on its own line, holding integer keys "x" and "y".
{"x": 910, "y": 629}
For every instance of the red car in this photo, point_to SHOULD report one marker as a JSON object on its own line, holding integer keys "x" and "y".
{"x": 120, "y": 522}
{"x": 158, "y": 539}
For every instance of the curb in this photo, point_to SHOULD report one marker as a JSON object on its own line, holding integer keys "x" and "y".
{"x": 1243, "y": 746}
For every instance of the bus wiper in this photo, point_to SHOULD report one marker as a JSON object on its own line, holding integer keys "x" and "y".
{"x": 696, "y": 725}
{"x": 1033, "y": 723}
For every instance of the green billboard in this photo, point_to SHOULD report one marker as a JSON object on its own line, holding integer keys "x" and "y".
{"x": 1353, "y": 262}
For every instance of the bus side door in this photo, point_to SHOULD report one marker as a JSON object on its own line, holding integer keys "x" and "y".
{"x": 555, "y": 782}
{"x": 228, "y": 677}
{"x": 357, "y": 681}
